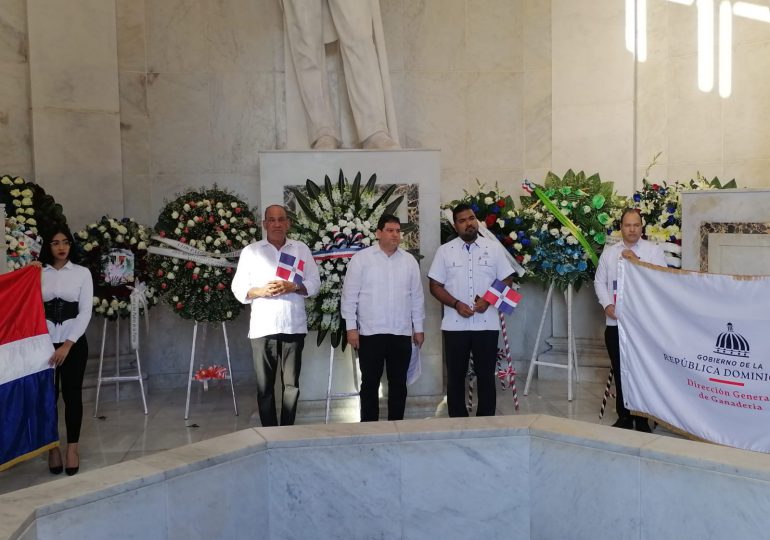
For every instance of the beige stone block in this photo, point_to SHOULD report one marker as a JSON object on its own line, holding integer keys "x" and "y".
{"x": 134, "y": 123}
{"x": 243, "y": 120}
{"x": 595, "y": 139}
{"x": 180, "y": 123}
{"x": 176, "y": 36}
{"x": 750, "y": 31}
{"x": 435, "y": 115}
{"x": 507, "y": 180}
{"x": 657, "y": 174}
{"x": 15, "y": 119}
{"x": 754, "y": 173}
{"x": 694, "y": 117}
{"x": 279, "y": 93}
{"x": 241, "y": 34}
{"x": 536, "y": 34}
{"x": 585, "y": 69}
{"x": 684, "y": 172}
{"x": 392, "y": 12}
{"x": 132, "y": 50}
{"x": 434, "y": 34}
{"x": 495, "y": 121}
{"x": 73, "y": 69}
{"x": 137, "y": 198}
{"x": 747, "y": 111}
{"x": 400, "y": 102}
{"x": 77, "y": 155}
{"x": 651, "y": 114}
{"x": 494, "y": 35}
{"x": 13, "y": 38}
{"x": 682, "y": 29}
{"x": 537, "y": 118}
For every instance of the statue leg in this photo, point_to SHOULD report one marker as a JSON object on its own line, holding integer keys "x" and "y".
{"x": 305, "y": 36}
{"x": 353, "y": 22}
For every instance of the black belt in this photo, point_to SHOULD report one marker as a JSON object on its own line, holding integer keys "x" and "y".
{"x": 57, "y": 310}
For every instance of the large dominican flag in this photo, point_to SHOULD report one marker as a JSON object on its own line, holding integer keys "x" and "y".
{"x": 290, "y": 268}
{"x": 28, "y": 421}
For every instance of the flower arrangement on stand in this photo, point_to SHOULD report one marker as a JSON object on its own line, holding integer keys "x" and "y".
{"x": 23, "y": 246}
{"x": 496, "y": 210}
{"x": 660, "y": 207}
{"x": 571, "y": 217}
{"x": 30, "y": 205}
{"x": 335, "y": 220}
{"x": 198, "y": 233}
{"x": 115, "y": 252}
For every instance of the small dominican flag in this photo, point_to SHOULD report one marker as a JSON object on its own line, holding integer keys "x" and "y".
{"x": 290, "y": 268}
{"x": 502, "y": 297}
{"x": 28, "y": 423}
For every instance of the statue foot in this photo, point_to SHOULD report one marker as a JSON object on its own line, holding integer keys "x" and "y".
{"x": 325, "y": 142}
{"x": 380, "y": 141}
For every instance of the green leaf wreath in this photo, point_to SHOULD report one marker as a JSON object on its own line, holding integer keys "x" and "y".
{"x": 209, "y": 226}
{"x": 30, "y": 205}
{"x": 104, "y": 242}
{"x": 335, "y": 220}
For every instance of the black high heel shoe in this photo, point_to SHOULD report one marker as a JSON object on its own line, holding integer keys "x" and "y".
{"x": 54, "y": 469}
{"x": 72, "y": 471}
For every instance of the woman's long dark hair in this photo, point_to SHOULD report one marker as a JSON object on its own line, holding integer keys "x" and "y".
{"x": 46, "y": 255}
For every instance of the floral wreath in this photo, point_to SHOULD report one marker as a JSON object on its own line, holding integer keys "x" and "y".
{"x": 336, "y": 220}
{"x": 197, "y": 233}
{"x": 30, "y": 205}
{"x": 571, "y": 217}
{"x": 115, "y": 252}
{"x": 496, "y": 210}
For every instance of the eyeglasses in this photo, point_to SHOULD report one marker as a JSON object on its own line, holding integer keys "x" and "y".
{"x": 57, "y": 243}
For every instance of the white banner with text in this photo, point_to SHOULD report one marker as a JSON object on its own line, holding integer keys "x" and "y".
{"x": 694, "y": 351}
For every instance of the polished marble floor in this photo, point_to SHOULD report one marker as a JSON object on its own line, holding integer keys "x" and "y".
{"x": 122, "y": 432}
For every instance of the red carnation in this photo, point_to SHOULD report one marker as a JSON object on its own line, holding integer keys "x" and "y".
{"x": 220, "y": 286}
{"x": 238, "y": 210}
{"x": 162, "y": 234}
{"x": 179, "y": 305}
{"x": 501, "y": 203}
{"x": 490, "y": 220}
{"x": 190, "y": 265}
{"x": 194, "y": 277}
{"x": 183, "y": 239}
{"x": 160, "y": 273}
{"x": 211, "y": 219}
{"x": 508, "y": 241}
{"x": 206, "y": 288}
{"x": 163, "y": 285}
{"x": 186, "y": 230}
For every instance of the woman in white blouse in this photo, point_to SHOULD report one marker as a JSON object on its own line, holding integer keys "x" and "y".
{"x": 67, "y": 295}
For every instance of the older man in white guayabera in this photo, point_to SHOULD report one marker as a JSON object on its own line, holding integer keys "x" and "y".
{"x": 365, "y": 63}
{"x": 631, "y": 247}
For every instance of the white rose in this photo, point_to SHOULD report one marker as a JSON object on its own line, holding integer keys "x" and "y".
{"x": 527, "y": 258}
{"x": 170, "y": 275}
{"x": 132, "y": 241}
{"x": 233, "y": 204}
{"x": 221, "y": 212}
{"x": 114, "y": 303}
{"x": 196, "y": 270}
{"x": 186, "y": 207}
{"x": 122, "y": 229}
{"x": 554, "y": 232}
{"x": 88, "y": 247}
{"x": 102, "y": 228}
{"x": 119, "y": 238}
{"x": 110, "y": 311}
{"x": 209, "y": 239}
{"x": 83, "y": 235}
{"x": 517, "y": 246}
{"x": 141, "y": 245}
{"x": 175, "y": 299}
{"x": 30, "y": 211}
{"x": 177, "y": 231}
{"x": 175, "y": 215}
{"x": 219, "y": 205}
{"x": 501, "y": 223}
{"x": 190, "y": 223}
{"x": 26, "y": 201}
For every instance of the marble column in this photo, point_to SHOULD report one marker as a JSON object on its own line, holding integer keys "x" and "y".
{"x": 75, "y": 106}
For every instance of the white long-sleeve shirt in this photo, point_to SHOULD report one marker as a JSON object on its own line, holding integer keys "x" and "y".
{"x": 467, "y": 271}
{"x": 71, "y": 283}
{"x": 606, "y": 276}
{"x": 284, "y": 314}
{"x": 383, "y": 294}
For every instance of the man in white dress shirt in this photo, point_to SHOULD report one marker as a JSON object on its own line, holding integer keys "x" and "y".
{"x": 278, "y": 319}
{"x": 384, "y": 307}
{"x": 631, "y": 247}
{"x": 462, "y": 271}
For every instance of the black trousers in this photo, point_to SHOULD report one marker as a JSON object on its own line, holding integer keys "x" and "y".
{"x": 612, "y": 342}
{"x": 270, "y": 353}
{"x": 375, "y": 353}
{"x": 458, "y": 347}
{"x": 69, "y": 381}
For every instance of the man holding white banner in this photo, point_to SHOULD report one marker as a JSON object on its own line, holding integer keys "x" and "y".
{"x": 275, "y": 275}
{"x": 631, "y": 247}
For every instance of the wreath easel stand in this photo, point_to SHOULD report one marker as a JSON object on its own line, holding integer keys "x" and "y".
{"x": 572, "y": 365}
{"x": 191, "y": 378}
